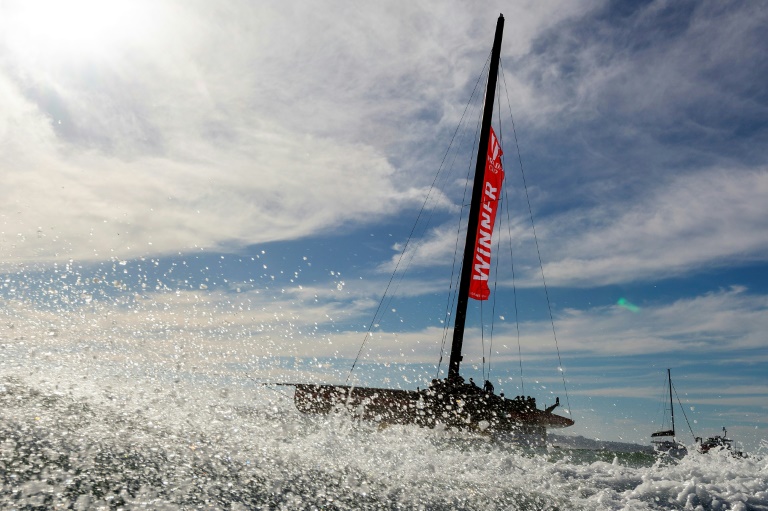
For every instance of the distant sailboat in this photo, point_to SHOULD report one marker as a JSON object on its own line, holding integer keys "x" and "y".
{"x": 452, "y": 401}
{"x": 669, "y": 444}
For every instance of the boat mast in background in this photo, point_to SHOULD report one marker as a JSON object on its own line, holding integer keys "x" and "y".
{"x": 671, "y": 405}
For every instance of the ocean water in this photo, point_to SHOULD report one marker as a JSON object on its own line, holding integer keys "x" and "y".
{"x": 72, "y": 439}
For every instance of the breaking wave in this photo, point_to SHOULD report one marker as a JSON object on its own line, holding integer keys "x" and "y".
{"x": 129, "y": 443}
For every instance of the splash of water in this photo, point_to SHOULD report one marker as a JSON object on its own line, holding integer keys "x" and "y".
{"x": 93, "y": 441}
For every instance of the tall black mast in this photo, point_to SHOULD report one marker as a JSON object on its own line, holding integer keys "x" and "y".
{"x": 671, "y": 406}
{"x": 474, "y": 208}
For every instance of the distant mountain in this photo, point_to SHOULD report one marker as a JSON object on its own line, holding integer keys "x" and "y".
{"x": 580, "y": 442}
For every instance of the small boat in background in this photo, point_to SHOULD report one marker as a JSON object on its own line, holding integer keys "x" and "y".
{"x": 669, "y": 444}
{"x": 719, "y": 442}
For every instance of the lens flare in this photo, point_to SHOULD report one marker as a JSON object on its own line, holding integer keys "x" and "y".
{"x": 623, "y": 302}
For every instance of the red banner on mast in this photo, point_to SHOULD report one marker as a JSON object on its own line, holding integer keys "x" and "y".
{"x": 481, "y": 262}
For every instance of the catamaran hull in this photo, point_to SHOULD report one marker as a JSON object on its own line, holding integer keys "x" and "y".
{"x": 463, "y": 408}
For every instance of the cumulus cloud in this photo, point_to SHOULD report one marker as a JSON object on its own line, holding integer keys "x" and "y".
{"x": 215, "y": 126}
{"x": 691, "y": 223}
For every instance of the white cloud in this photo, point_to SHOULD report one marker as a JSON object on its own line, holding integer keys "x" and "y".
{"x": 654, "y": 66}
{"x": 218, "y": 126}
{"x": 687, "y": 224}
{"x": 691, "y": 223}
{"x": 88, "y": 206}
{"x": 301, "y": 322}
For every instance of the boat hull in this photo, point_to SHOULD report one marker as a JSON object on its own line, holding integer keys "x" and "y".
{"x": 670, "y": 448}
{"x": 462, "y": 407}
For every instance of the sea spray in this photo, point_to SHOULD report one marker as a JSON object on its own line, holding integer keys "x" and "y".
{"x": 112, "y": 443}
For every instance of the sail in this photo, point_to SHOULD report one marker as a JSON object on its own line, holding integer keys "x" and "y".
{"x": 493, "y": 178}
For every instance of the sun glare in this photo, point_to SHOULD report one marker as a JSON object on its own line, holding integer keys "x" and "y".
{"x": 74, "y": 27}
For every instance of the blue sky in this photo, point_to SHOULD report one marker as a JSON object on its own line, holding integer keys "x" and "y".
{"x": 233, "y": 181}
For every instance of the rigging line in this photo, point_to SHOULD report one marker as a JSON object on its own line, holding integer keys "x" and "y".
{"x": 661, "y": 408}
{"x": 495, "y": 288}
{"x": 410, "y": 255}
{"x": 506, "y": 203}
{"x": 413, "y": 229}
{"x": 498, "y": 244}
{"x": 453, "y": 296}
{"x": 507, "y": 208}
{"x": 482, "y": 336}
{"x": 684, "y": 415}
{"x": 452, "y": 291}
{"x": 665, "y": 412}
{"x": 453, "y": 286}
{"x": 536, "y": 240}
{"x": 514, "y": 291}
